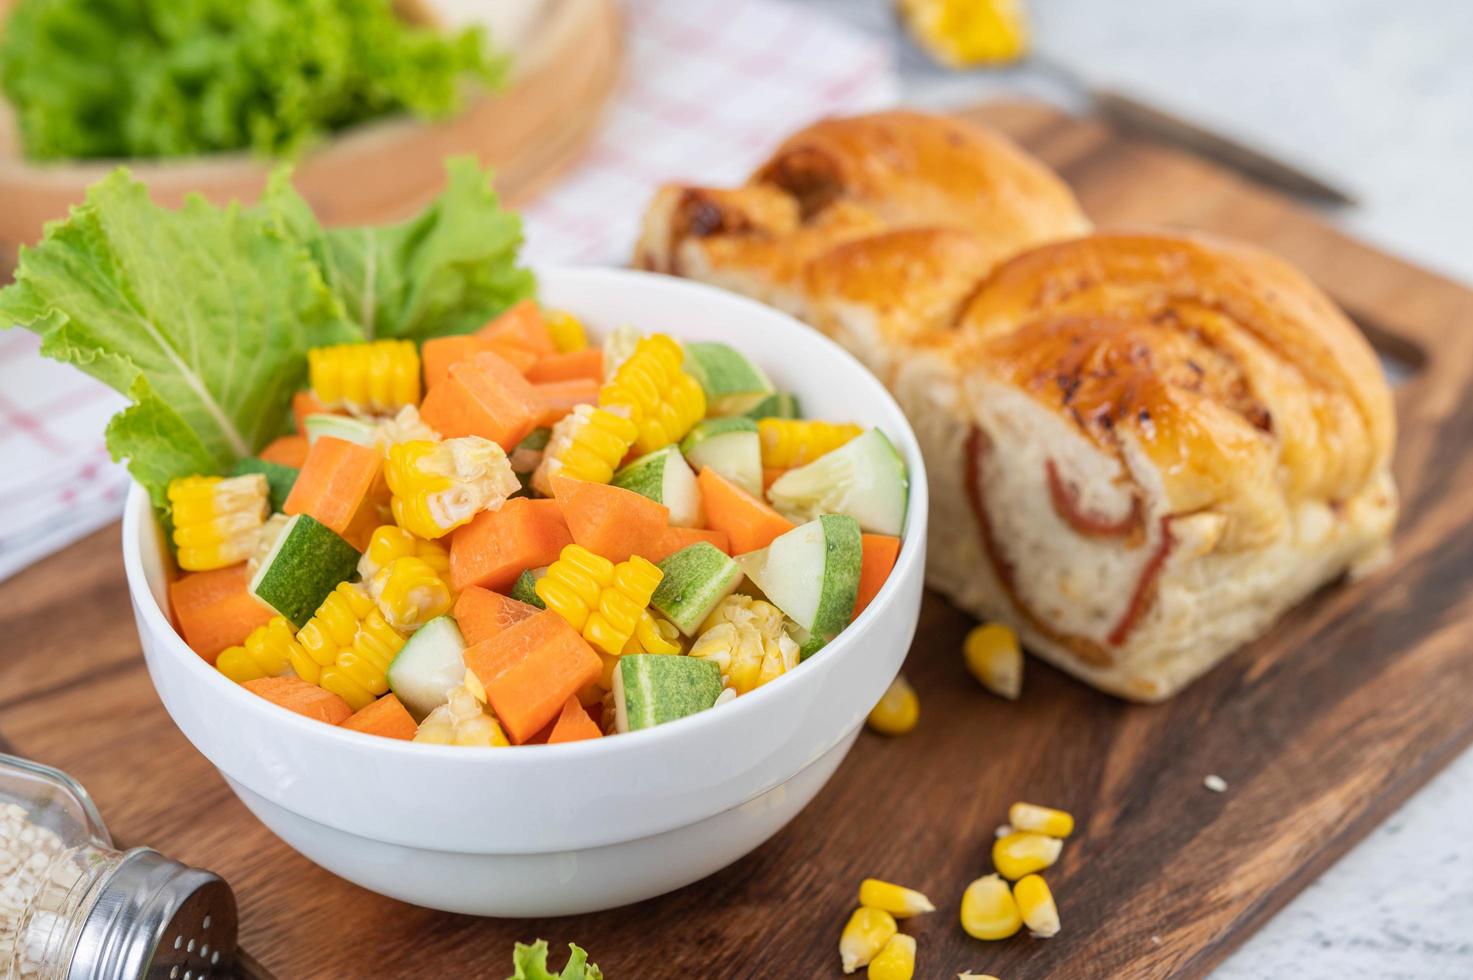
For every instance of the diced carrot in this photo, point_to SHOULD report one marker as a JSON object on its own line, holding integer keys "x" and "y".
{"x": 342, "y": 485}
{"x": 586, "y": 363}
{"x": 770, "y": 475}
{"x": 516, "y": 355}
{"x": 439, "y": 353}
{"x": 877, "y": 558}
{"x": 481, "y": 613}
{"x": 286, "y": 450}
{"x": 560, "y": 397}
{"x": 573, "y": 724}
{"x": 530, "y": 669}
{"x": 498, "y": 545}
{"x": 215, "y": 609}
{"x": 304, "y": 403}
{"x": 483, "y": 396}
{"x": 543, "y": 734}
{"x": 672, "y": 539}
{"x": 747, "y": 521}
{"x": 522, "y": 325}
{"x": 610, "y": 521}
{"x": 295, "y": 694}
{"x": 386, "y": 717}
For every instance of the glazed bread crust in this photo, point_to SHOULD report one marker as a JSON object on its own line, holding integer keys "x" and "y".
{"x": 1144, "y": 447}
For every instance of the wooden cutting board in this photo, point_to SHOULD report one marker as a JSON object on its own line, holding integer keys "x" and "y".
{"x": 1321, "y": 729}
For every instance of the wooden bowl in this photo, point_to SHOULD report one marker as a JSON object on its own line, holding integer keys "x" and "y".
{"x": 564, "y": 67}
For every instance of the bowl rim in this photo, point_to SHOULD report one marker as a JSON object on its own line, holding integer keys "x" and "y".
{"x": 138, "y": 517}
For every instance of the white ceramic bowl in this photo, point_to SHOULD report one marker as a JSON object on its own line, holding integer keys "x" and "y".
{"x": 559, "y": 829}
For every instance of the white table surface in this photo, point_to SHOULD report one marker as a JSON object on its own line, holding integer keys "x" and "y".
{"x": 1377, "y": 96}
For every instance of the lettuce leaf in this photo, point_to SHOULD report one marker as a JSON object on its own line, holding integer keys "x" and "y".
{"x": 445, "y": 271}
{"x": 531, "y": 964}
{"x": 201, "y": 316}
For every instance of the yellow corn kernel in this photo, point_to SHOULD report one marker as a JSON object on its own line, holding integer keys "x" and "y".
{"x": 897, "y": 961}
{"x": 409, "y": 593}
{"x": 217, "y": 520}
{"x": 865, "y": 934}
{"x": 899, "y": 901}
{"x": 989, "y": 910}
{"x": 1041, "y": 819}
{"x": 601, "y": 600}
{"x": 1023, "y": 852}
{"x": 898, "y": 709}
{"x": 267, "y": 652}
{"x": 653, "y": 635}
{"x": 662, "y": 399}
{"x": 566, "y": 330}
{"x": 438, "y": 486}
{"x": 404, "y": 426}
{"x": 746, "y": 638}
{"x": 995, "y": 659}
{"x": 794, "y": 442}
{"x": 1036, "y": 905}
{"x": 586, "y": 444}
{"x": 390, "y": 541}
{"x": 381, "y": 376}
{"x": 462, "y": 720}
{"x": 963, "y": 33}
{"x": 346, "y": 647}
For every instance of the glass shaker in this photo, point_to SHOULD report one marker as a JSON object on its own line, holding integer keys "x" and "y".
{"x": 74, "y": 907}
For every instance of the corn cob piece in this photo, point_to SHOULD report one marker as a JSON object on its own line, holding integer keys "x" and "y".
{"x": 662, "y": 399}
{"x": 438, "y": 486}
{"x": 409, "y": 593}
{"x": 267, "y": 652}
{"x": 747, "y": 640}
{"x": 1041, "y": 819}
{"x": 346, "y": 647}
{"x": 995, "y": 659}
{"x": 865, "y": 934}
{"x": 898, "y": 709}
{"x": 217, "y": 520}
{"x": 618, "y": 346}
{"x": 404, "y": 426}
{"x": 390, "y": 541}
{"x": 270, "y": 532}
{"x": 462, "y": 720}
{"x": 381, "y": 377}
{"x": 1036, "y": 905}
{"x": 601, "y": 600}
{"x": 896, "y": 961}
{"x": 989, "y": 910}
{"x": 1023, "y": 852}
{"x": 899, "y": 901}
{"x": 796, "y": 442}
{"x": 653, "y": 635}
{"x": 566, "y": 331}
{"x": 586, "y": 444}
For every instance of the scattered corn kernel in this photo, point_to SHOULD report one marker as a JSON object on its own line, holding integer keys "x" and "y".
{"x": 1041, "y": 819}
{"x": 989, "y": 910}
{"x": 866, "y": 933}
{"x": 1215, "y": 783}
{"x": 899, "y": 901}
{"x": 995, "y": 659}
{"x": 964, "y": 33}
{"x": 898, "y": 709}
{"x": 1023, "y": 852}
{"x": 1036, "y": 905}
{"x": 897, "y": 961}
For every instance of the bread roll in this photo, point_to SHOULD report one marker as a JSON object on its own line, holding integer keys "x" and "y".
{"x": 1143, "y": 448}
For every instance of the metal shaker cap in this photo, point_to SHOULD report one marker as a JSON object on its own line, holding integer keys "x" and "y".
{"x": 155, "y": 918}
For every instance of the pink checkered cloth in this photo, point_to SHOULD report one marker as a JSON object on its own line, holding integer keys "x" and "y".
{"x": 701, "y": 98}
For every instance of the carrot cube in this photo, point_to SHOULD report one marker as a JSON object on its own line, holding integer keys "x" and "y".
{"x": 215, "y": 609}
{"x": 498, "y": 545}
{"x": 672, "y": 539}
{"x": 342, "y": 485}
{"x": 561, "y": 397}
{"x": 586, "y": 363}
{"x": 521, "y": 324}
{"x": 573, "y": 724}
{"x": 386, "y": 716}
{"x": 531, "y": 669}
{"x": 610, "y": 521}
{"x": 748, "y": 522}
{"x": 286, "y": 450}
{"x": 439, "y": 353}
{"x": 483, "y": 396}
{"x": 308, "y": 700}
{"x": 481, "y": 613}
{"x": 877, "y": 557}
{"x": 304, "y": 403}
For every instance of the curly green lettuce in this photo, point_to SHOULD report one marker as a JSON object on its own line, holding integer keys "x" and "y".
{"x": 164, "y": 78}
{"x": 531, "y": 964}
{"x": 203, "y": 316}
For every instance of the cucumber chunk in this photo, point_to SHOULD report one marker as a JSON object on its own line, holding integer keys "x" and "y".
{"x": 320, "y": 424}
{"x": 865, "y": 478}
{"x": 731, "y": 447}
{"x": 278, "y": 477}
{"x": 524, "y": 589}
{"x": 665, "y": 477}
{"x": 732, "y": 382}
{"x": 811, "y": 573}
{"x": 306, "y": 563}
{"x": 696, "y": 579}
{"x": 651, "y": 689}
{"x": 429, "y": 665}
{"x": 778, "y": 405}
